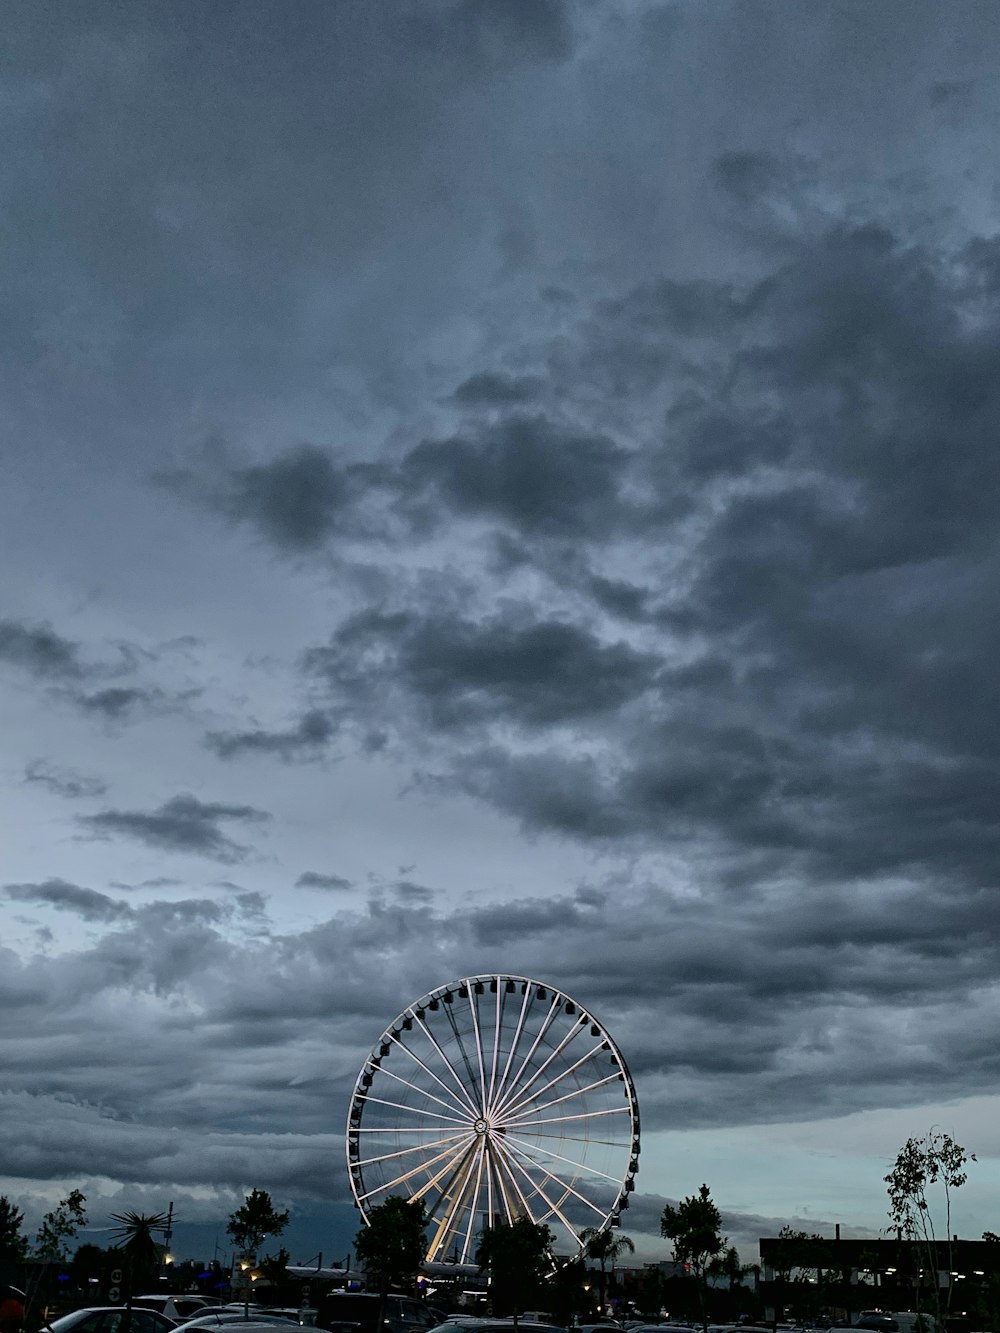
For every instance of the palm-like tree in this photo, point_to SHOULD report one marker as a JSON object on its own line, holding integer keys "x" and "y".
{"x": 134, "y": 1237}
{"x": 604, "y": 1246}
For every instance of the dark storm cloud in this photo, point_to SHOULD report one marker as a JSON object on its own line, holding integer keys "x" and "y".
{"x": 806, "y": 518}
{"x": 416, "y": 894}
{"x": 494, "y": 389}
{"x": 86, "y": 903}
{"x": 513, "y": 668}
{"x": 117, "y": 701}
{"x": 571, "y": 794}
{"x": 497, "y": 32}
{"x": 696, "y": 571}
{"x": 39, "y": 650}
{"x": 817, "y": 682}
{"x": 307, "y": 738}
{"x": 510, "y": 921}
{"x": 752, "y": 1006}
{"x": 182, "y": 824}
{"x": 313, "y": 879}
{"x": 535, "y": 475}
{"x": 63, "y": 781}
{"x": 296, "y": 501}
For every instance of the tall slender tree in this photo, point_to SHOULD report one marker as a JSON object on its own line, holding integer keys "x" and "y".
{"x": 250, "y": 1225}
{"x": 922, "y": 1166}
{"x": 695, "y": 1227}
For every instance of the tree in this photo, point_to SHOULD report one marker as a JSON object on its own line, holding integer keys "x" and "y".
{"x": 393, "y": 1243}
{"x": 59, "y": 1227}
{"x": 604, "y": 1246}
{"x": 695, "y": 1227}
{"x": 255, "y": 1220}
{"x": 250, "y": 1225}
{"x": 275, "y": 1267}
{"x": 13, "y": 1246}
{"x": 792, "y": 1255}
{"x": 518, "y": 1255}
{"x": 934, "y": 1160}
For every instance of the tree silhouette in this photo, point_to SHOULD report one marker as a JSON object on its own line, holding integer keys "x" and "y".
{"x": 60, "y": 1226}
{"x": 519, "y": 1258}
{"x": 604, "y": 1246}
{"x": 935, "y": 1160}
{"x": 695, "y": 1227}
{"x": 250, "y": 1225}
{"x": 393, "y": 1242}
{"x": 134, "y": 1237}
{"x": 13, "y": 1246}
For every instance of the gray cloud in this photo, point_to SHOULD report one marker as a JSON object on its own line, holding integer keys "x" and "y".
{"x": 63, "y": 781}
{"x": 540, "y": 477}
{"x": 639, "y": 569}
{"x": 528, "y": 672}
{"x": 39, "y": 650}
{"x": 310, "y": 735}
{"x": 65, "y": 897}
{"x": 117, "y": 702}
{"x": 182, "y": 824}
{"x": 495, "y": 389}
{"x": 313, "y": 879}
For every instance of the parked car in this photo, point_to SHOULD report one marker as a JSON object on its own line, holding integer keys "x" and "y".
{"x": 487, "y": 1325}
{"x": 209, "y": 1319}
{"x": 357, "y": 1312}
{"x": 111, "y": 1319}
{"x": 178, "y": 1308}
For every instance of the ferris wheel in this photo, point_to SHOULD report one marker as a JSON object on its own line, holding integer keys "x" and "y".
{"x": 490, "y": 1099}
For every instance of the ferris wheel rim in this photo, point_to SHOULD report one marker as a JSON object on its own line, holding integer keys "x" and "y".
{"x": 484, "y": 1145}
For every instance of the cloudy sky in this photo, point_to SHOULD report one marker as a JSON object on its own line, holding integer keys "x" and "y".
{"x": 499, "y": 485}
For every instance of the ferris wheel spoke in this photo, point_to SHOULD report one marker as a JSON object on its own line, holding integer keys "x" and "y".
{"x": 579, "y": 1138}
{"x": 449, "y": 1153}
{"x": 496, "y": 1041}
{"x": 501, "y": 1156}
{"x": 513, "y": 1102}
{"x": 479, "y": 1047}
{"x": 412, "y": 1110}
{"x": 476, "y": 1194}
{"x": 493, "y": 1164}
{"x": 554, "y": 1209}
{"x": 450, "y": 1010}
{"x": 563, "y": 1184}
{"x": 413, "y": 1056}
{"x": 581, "y": 1115}
{"x": 453, "y": 1105}
{"x": 557, "y": 1157}
{"x": 515, "y": 1042}
{"x": 417, "y": 1147}
{"x": 547, "y": 1021}
{"x": 520, "y": 1112}
{"x": 401, "y": 1129}
{"x": 444, "y": 1060}
{"x": 450, "y": 1217}
{"x": 451, "y": 1169}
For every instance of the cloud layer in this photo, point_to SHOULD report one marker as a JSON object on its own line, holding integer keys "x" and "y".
{"x": 515, "y": 487}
